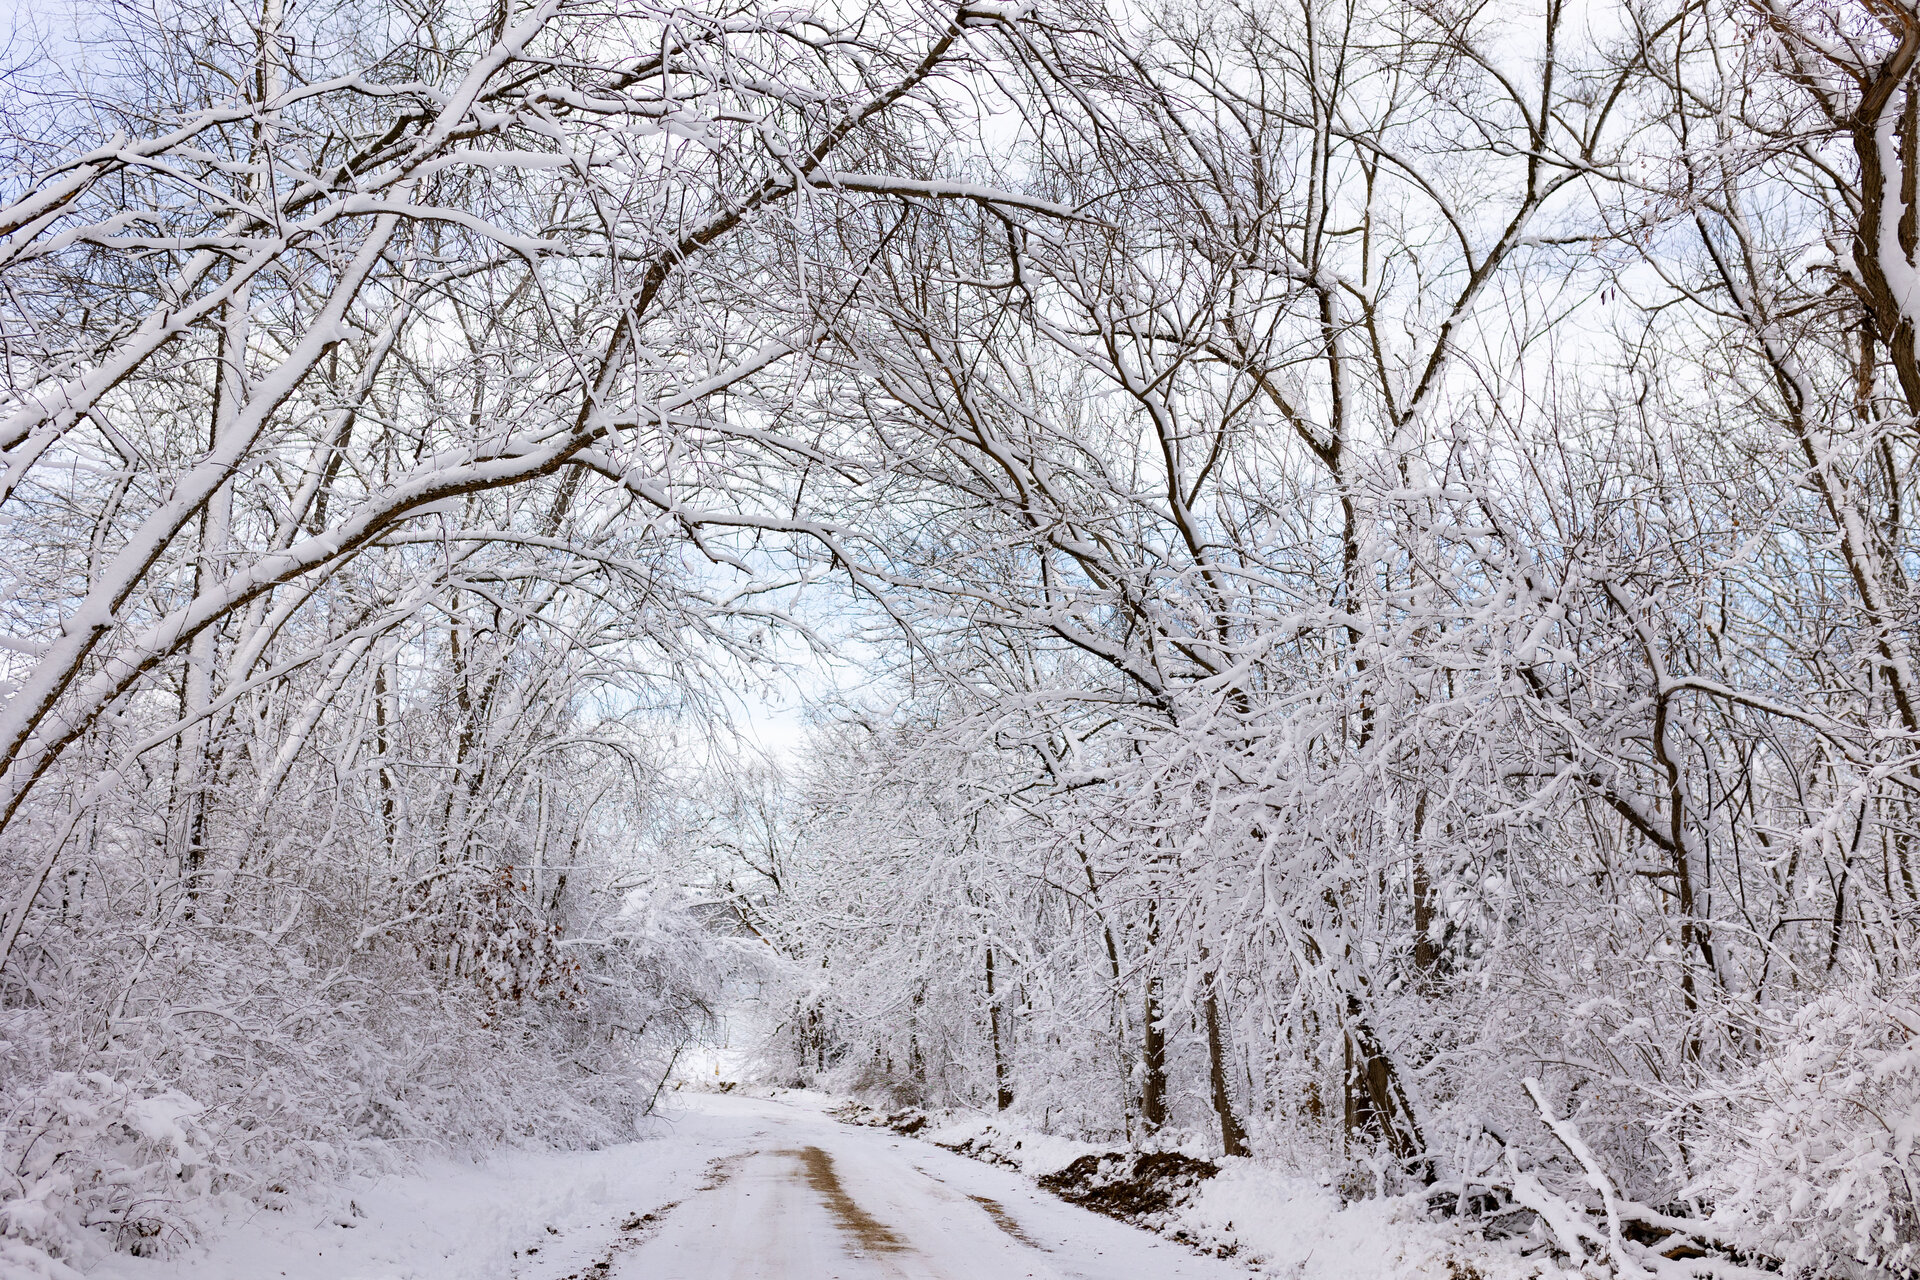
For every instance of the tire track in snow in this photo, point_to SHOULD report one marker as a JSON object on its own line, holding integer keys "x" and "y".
{"x": 1005, "y": 1221}
{"x": 638, "y": 1229}
{"x": 871, "y": 1234}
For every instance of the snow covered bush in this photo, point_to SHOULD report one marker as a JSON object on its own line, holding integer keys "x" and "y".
{"x": 1815, "y": 1160}
{"x": 299, "y": 1072}
{"x": 88, "y": 1163}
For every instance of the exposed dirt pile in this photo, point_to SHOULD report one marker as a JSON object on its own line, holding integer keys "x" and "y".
{"x": 1148, "y": 1189}
{"x": 983, "y": 1148}
{"x": 1134, "y": 1186}
{"x": 906, "y": 1120}
{"x": 1144, "y": 1188}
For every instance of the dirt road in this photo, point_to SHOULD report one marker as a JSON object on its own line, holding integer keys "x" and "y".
{"x": 802, "y": 1197}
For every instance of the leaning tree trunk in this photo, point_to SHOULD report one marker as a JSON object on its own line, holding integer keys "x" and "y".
{"x": 1233, "y": 1138}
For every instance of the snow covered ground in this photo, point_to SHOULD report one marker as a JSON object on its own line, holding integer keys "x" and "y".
{"x": 732, "y": 1188}
{"x": 1274, "y": 1222}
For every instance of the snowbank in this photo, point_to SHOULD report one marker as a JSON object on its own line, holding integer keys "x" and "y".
{"x": 1277, "y": 1223}
{"x": 525, "y": 1214}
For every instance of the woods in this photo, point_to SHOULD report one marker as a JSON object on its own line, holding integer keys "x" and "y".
{"x": 1375, "y": 541}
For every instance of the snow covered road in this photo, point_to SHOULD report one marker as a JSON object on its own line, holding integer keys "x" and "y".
{"x": 739, "y": 1189}
{"x": 806, "y": 1198}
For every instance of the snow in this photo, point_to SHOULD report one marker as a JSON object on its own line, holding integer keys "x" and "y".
{"x": 1298, "y": 1227}
{"x": 445, "y": 1218}
{"x": 1035, "y": 1153}
{"x": 737, "y": 1187}
{"x": 158, "y": 1119}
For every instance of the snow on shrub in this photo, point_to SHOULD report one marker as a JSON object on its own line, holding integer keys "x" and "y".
{"x": 1817, "y": 1164}
{"x": 87, "y": 1162}
{"x": 235, "y": 1071}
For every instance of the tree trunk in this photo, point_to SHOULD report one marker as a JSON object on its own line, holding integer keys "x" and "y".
{"x": 1233, "y": 1139}
{"x": 1153, "y": 1060}
{"x": 1425, "y": 956}
{"x": 1003, "y": 1087}
{"x": 1377, "y": 1102}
